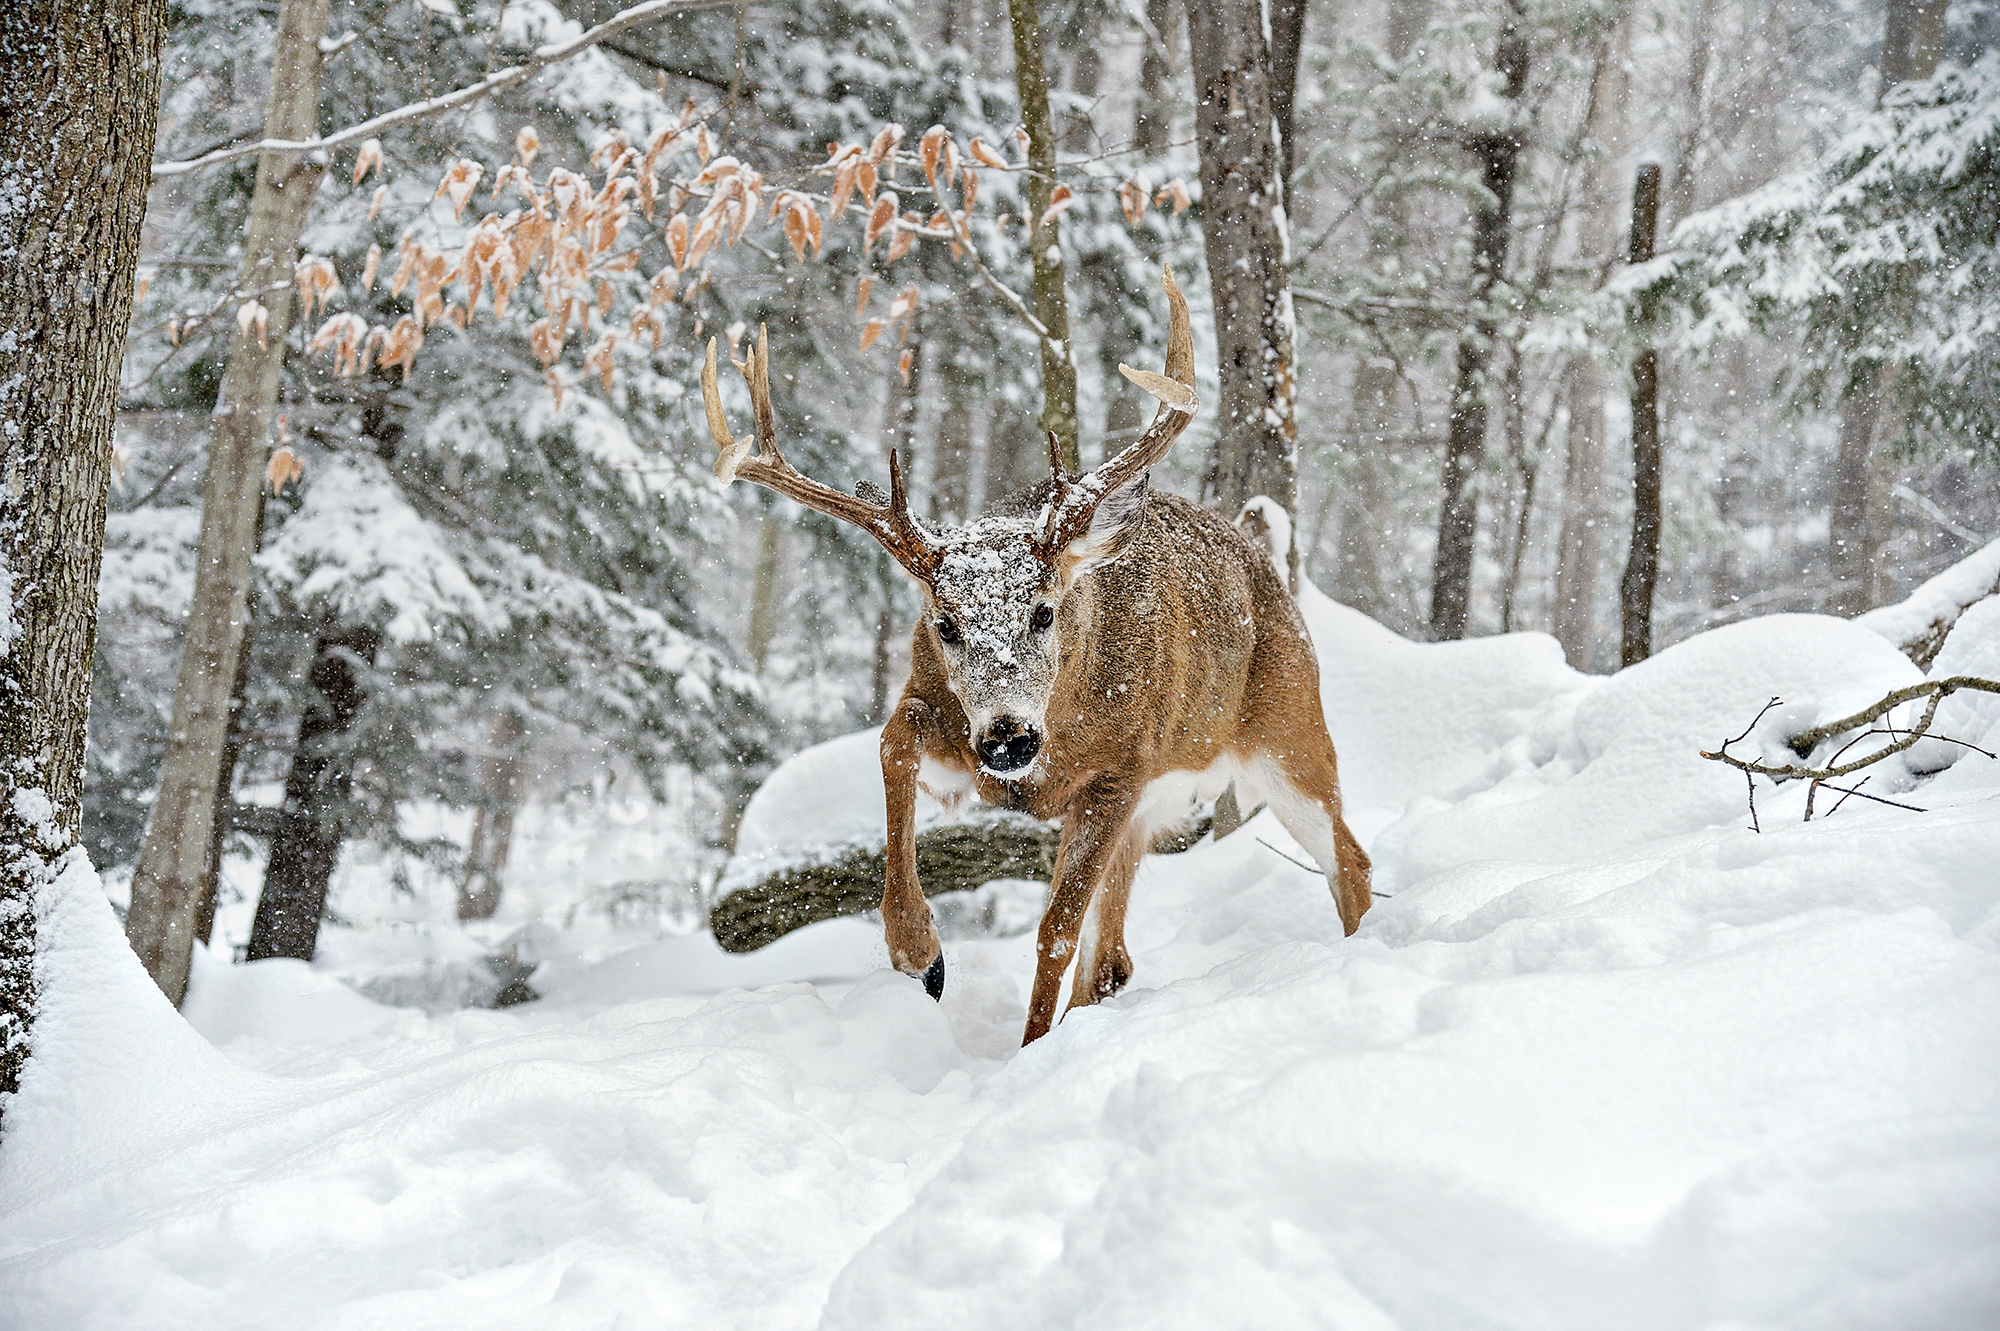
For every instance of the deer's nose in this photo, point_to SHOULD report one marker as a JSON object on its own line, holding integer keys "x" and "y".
{"x": 1009, "y": 746}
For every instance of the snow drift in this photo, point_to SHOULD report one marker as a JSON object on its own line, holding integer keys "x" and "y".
{"x": 1602, "y": 1057}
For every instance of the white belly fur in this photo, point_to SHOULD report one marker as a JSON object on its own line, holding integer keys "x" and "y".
{"x": 1169, "y": 801}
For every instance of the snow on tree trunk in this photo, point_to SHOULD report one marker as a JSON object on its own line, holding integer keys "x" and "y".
{"x": 76, "y": 139}
{"x": 170, "y": 879}
{"x": 1045, "y": 233}
{"x": 1244, "y": 231}
{"x": 306, "y": 845}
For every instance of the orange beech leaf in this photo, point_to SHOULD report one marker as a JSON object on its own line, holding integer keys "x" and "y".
{"x": 252, "y": 315}
{"x": 843, "y": 184}
{"x": 928, "y": 150}
{"x": 814, "y": 221}
{"x": 1000, "y": 222}
{"x": 661, "y": 289}
{"x": 677, "y": 239}
{"x": 861, "y": 295}
{"x": 879, "y": 220}
{"x": 983, "y": 153}
{"x": 599, "y": 358}
{"x": 1060, "y": 200}
{"x": 369, "y": 269}
{"x": 527, "y": 143}
{"x": 1133, "y": 197}
{"x": 145, "y": 284}
{"x": 950, "y": 160}
{"x": 622, "y": 263}
{"x": 885, "y": 142}
{"x": 864, "y": 178}
{"x": 1021, "y": 141}
{"x": 687, "y": 114}
{"x": 368, "y": 159}
{"x": 797, "y": 231}
{"x": 971, "y": 188}
{"x": 284, "y": 467}
{"x": 458, "y": 183}
{"x": 905, "y": 302}
{"x": 555, "y": 383}
{"x": 705, "y": 232}
{"x": 316, "y": 281}
{"x": 604, "y": 294}
{"x": 704, "y": 148}
{"x": 900, "y": 243}
{"x": 870, "y": 331}
{"x": 375, "y": 201}
{"x": 1175, "y": 190}
{"x": 173, "y": 332}
{"x": 903, "y": 364}
{"x": 457, "y": 315}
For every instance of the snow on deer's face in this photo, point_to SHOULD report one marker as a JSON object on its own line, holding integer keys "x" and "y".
{"x": 993, "y": 604}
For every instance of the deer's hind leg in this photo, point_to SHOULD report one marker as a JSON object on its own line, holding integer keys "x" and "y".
{"x": 1302, "y": 784}
{"x": 1103, "y": 966}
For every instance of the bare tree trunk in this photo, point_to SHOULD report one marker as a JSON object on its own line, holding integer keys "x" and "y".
{"x": 76, "y": 140}
{"x": 1498, "y": 153}
{"x": 1642, "y": 567}
{"x": 1912, "y": 44}
{"x": 1152, "y": 112}
{"x": 500, "y": 786}
{"x": 307, "y": 843}
{"x": 225, "y": 796}
{"x": 1365, "y": 504}
{"x": 764, "y": 587}
{"x": 1045, "y": 237}
{"x": 1288, "y": 31}
{"x": 1579, "y": 548}
{"x": 168, "y": 882}
{"x": 951, "y": 452}
{"x": 1243, "y": 229}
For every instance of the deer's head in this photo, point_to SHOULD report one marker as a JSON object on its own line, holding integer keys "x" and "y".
{"x": 995, "y": 589}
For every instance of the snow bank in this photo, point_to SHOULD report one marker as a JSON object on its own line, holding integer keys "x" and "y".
{"x": 1606, "y": 1058}
{"x": 1939, "y": 601}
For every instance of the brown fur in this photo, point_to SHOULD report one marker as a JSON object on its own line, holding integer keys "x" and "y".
{"x": 1183, "y": 649}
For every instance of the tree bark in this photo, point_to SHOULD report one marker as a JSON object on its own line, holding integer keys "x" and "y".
{"x": 1152, "y": 110}
{"x": 168, "y": 882}
{"x": 1288, "y": 32}
{"x": 1642, "y": 566}
{"x": 1579, "y": 547}
{"x": 1045, "y": 237}
{"x": 1243, "y": 229}
{"x": 76, "y": 143}
{"x": 1912, "y": 43}
{"x": 225, "y": 796}
{"x": 307, "y": 843}
{"x": 1498, "y": 152}
{"x": 500, "y": 784}
{"x": 1365, "y": 491}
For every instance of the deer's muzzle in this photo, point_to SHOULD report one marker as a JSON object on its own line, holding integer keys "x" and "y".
{"x": 1008, "y": 746}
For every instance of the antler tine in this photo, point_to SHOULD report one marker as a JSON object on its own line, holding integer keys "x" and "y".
{"x": 1175, "y": 391}
{"x": 1055, "y": 453}
{"x": 891, "y": 525}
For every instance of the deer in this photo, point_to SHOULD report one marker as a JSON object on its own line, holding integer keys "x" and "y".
{"x": 1091, "y": 650}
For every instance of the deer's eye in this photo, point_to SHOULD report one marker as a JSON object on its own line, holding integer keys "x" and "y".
{"x": 1044, "y": 616}
{"x": 947, "y": 630}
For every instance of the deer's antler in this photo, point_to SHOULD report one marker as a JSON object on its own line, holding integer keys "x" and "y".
{"x": 891, "y": 524}
{"x": 1075, "y": 503}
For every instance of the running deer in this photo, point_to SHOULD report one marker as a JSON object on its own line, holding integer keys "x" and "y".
{"x": 1091, "y": 651}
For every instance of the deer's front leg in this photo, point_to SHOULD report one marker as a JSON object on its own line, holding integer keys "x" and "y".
{"x": 906, "y": 916}
{"x": 1092, "y": 830}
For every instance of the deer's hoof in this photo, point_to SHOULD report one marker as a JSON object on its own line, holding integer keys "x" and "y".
{"x": 934, "y": 978}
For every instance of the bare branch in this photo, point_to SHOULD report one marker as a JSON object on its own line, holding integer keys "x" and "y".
{"x": 553, "y": 53}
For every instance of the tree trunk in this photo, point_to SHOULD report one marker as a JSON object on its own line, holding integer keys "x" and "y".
{"x": 1407, "y": 21}
{"x": 76, "y": 140}
{"x": 1579, "y": 547}
{"x": 307, "y": 843}
{"x": 225, "y": 796}
{"x": 1642, "y": 566}
{"x": 1912, "y": 43}
{"x": 1288, "y": 32}
{"x": 1365, "y": 499}
{"x": 1152, "y": 110}
{"x": 1045, "y": 237}
{"x": 951, "y": 453}
{"x": 167, "y": 882}
{"x": 1243, "y": 228}
{"x": 764, "y": 586}
{"x": 493, "y": 825}
{"x": 1498, "y": 153}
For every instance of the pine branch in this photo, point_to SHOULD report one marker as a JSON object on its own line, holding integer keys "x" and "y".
{"x": 554, "y": 53}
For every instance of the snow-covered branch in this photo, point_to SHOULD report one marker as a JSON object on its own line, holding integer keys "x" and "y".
{"x": 544, "y": 56}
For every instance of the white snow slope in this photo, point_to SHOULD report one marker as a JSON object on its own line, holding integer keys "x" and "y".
{"x": 1606, "y": 1058}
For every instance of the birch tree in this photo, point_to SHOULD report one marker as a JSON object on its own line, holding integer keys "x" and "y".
{"x": 76, "y": 132}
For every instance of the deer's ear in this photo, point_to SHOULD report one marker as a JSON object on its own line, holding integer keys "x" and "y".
{"x": 1112, "y": 528}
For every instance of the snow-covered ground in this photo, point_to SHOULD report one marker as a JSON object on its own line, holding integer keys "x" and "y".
{"x": 1603, "y": 1057}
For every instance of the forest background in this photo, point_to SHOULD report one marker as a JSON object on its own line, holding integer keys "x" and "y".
{"x": 492, "y": 569}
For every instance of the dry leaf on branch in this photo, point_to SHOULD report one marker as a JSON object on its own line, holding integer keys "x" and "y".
{"x": 1061, "y": 198}
{"x": 252, "y": 315}
{"x": 368, "y": 159}
{"x": 284, "y": 468}
{"x": 527, "y": 143}
{"x": 870, "y": 331}
{"x": 903, "y": 363}
{"x": 984, "y": 154}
